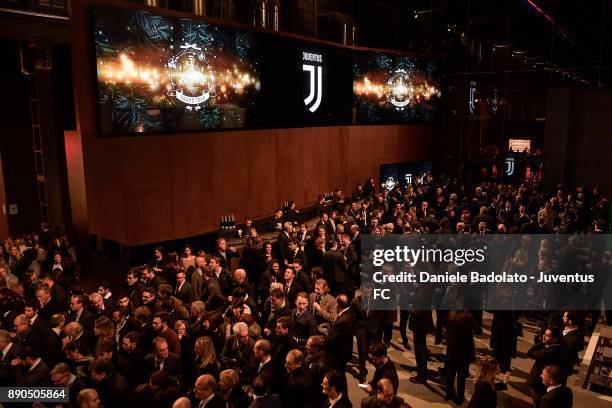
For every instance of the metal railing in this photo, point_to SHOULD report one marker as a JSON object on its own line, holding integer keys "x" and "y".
{"x": 42, "y": 7}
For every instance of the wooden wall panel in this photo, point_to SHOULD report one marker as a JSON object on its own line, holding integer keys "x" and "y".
{"x": 156, "y": 188}
{"x": 261, "y": 172}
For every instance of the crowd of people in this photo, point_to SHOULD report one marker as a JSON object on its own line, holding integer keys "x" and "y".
{"x": 272, "y": 324}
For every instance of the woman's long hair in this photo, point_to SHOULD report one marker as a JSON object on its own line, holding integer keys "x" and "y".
{"x": 486, "y": 369}
{"x": 207, "y": 351}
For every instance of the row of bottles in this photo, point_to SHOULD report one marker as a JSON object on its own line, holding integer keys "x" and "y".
{"x": 228, "y": 222}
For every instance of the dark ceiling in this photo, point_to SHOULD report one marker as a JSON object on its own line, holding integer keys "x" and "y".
{"x": 525, "y": 37}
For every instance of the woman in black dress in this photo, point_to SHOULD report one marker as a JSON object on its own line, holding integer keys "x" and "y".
{"x": 206, "y": 358}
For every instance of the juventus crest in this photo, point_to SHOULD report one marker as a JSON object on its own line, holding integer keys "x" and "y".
{"x": 312, "y": 63}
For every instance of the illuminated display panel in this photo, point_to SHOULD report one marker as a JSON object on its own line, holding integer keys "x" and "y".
{"x": 305, "y": 84}
{"x": 519, "y": 145}
{"x": 390, "y": 88}
{"x": 158, "y": 73}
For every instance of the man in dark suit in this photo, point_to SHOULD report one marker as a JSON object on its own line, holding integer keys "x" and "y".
{"x": 111, "y": 386}
{"x": 548, "y": 352}
{"x": 99, "y": 307}
{"x": 572, "y": 341}
{"x": 205, "y": 390}
{"x": 385, "y": 397}
{"x": 49, "y": 305}
{"x": 261, "y": 396}
{"x": 134, "y": 287}
{"x": 352, "y": 264}
{"x": 320, "y": 206}
{"x": 26, "y": 336}
{"x": 79, "y": 313}
{"x": 323, "y": 223}
{"x": 483, "y": 216}
{"x": 282, "y": 243}
{"x": 238, "y": 351}
{"x": 268, "y": 366}
{"x": 223, "y": 275}
{"x": 57, "y": 291}
{"x": 364, "y": 217}
{"x": 335, "y": 390}
{"x": 8, "y": 352}
{"x": 130, "y": 350}
{"x": 40, "y": 329}
{"x": 284, "y": 340}
{"x": 162, "y": 360}
{"x": 356, "y": 240}
{"x": 291, "y": 286}
{"x": 316, "y": 357}
{"x": 557, "y": 395}
{"x": 196, "y": 275}
{"x": 300, "y": 389}
{"x": 304, "y": 323}
{"x": 295, "y": 253}
{"x": 334, "y": 269}
{"x": 460, "y": 352}
{"x": 339, "y": 341}
{"x": 277, "y": 308}
{"x": 29, "y": 369}
{"x": 384, "y": 368}
{"x": 183, "y": 289}
{"x": 149, "y": 278}
{"x": 106, "y": 350}
{"x": 61, "y": 376}
{"x": 211, "y": 291}
{"x": 225, "y": 253}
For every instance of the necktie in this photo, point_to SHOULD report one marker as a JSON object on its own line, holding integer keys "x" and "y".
{"x": 158, "y": 364}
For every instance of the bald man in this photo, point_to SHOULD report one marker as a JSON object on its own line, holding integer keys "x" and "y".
{"x": 26, "y": 336}
{"x": 339, "y": 341}
{"x": 205, "y": 390}
{"x": 182, "y": 402}
{"x": 385, "y": 397}
{"x": 88, "y": 398}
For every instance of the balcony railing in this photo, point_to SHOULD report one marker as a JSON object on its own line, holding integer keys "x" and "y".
{"x": 49, "y": 7}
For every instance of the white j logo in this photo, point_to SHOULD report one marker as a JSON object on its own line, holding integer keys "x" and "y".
{"x": 318, "y": 76}
{"x": 472, "y": 99}
{"x": 509, "y": 166}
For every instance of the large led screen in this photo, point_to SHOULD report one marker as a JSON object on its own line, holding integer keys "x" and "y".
{"x": 306, "y": 84}
{"x": 391, "y": 88}
{"x": 159, "y": 73}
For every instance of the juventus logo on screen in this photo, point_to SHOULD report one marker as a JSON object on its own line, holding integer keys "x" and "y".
{"x": 472, "y": 98}
{"x": 509, "y": 166}
{"x": 315, "y": 74}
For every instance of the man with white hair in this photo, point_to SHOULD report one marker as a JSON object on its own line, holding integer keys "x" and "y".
{"x": 99, "y": 308}
{"x": 238, "y": 350}
{"x": 242, "y": 281}
{"x": 282, "y": 241}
